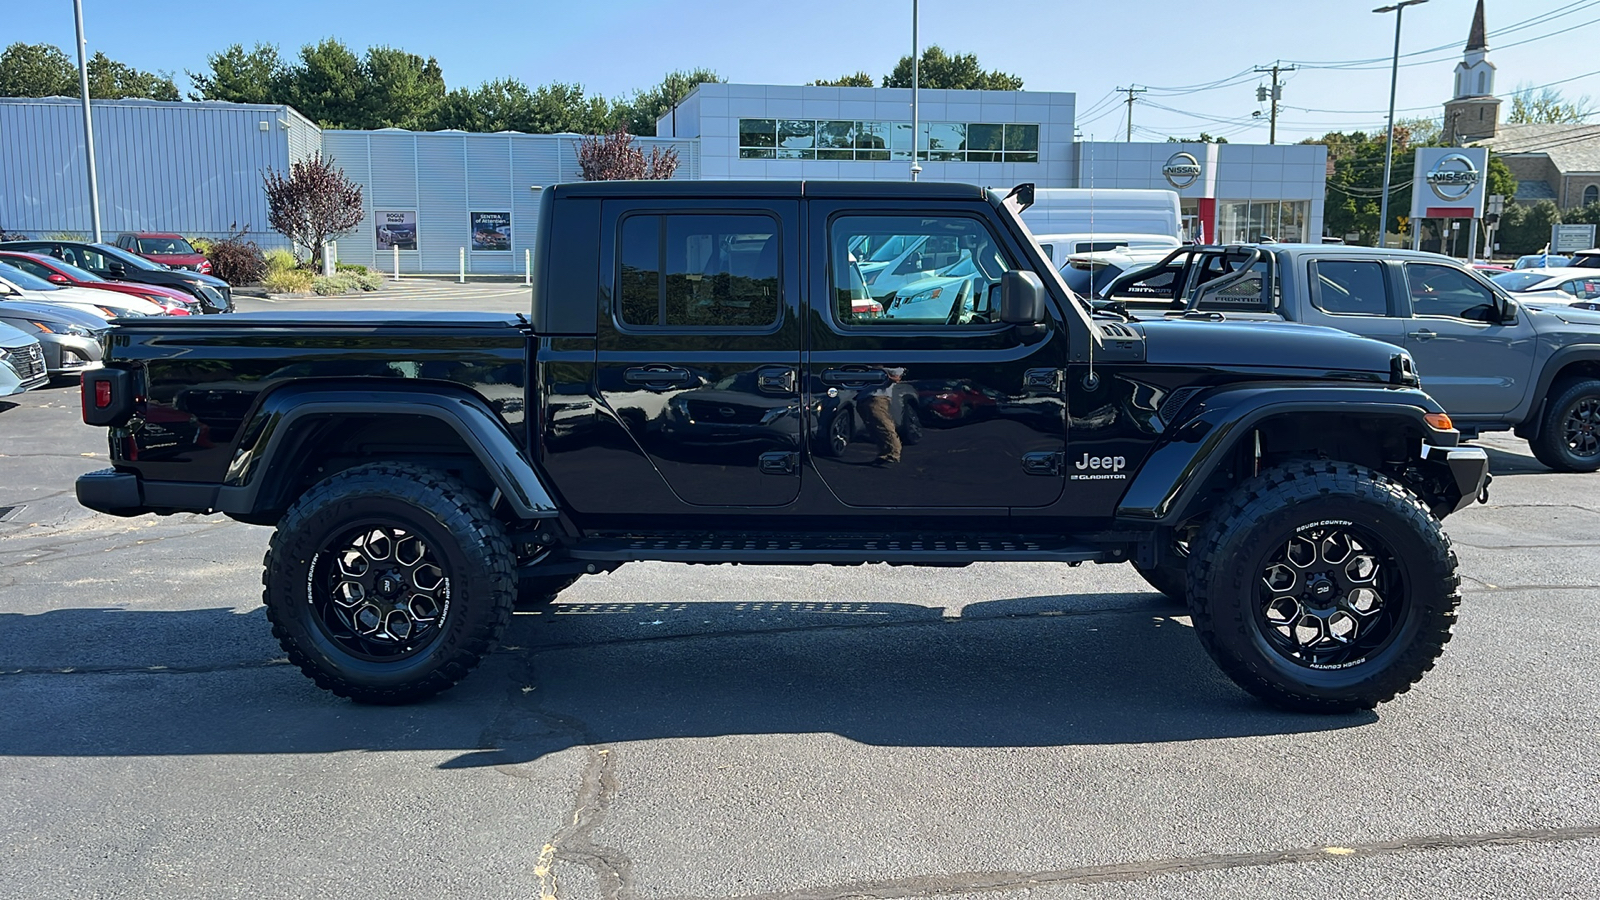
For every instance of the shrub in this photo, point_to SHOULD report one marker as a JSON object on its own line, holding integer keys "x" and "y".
{"x": 66, "y": 236}
{"x": 201, "y": 246}
{"x": 280, "y": 260}
{"x": 357, "y": 268}
{"x": 287, "y": 281}
{"x": 236, "y": 260}
{"x": 369, "y": 281}
{"x": 329, "y": 286}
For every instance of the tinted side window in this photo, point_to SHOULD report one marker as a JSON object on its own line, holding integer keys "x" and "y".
{"x": 1348, "y": 288}
{"x": 29, "y": 266}
{"x": 1444, "y": 291}
{"x": 698, "y": 271}
{"x": 928, "y": 270}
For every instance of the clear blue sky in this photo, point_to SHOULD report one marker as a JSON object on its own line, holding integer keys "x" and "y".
{"x": 614, "y": 46}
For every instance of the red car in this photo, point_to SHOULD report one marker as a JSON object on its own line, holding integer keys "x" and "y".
{"x": 1491, "y": 268}
{"x": 55, "y": 271}
{"x": 170, "y": 250}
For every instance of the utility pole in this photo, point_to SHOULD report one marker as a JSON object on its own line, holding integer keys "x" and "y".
{"x": 1130, "y": 91}
{"x": 88, "y": 121}
{"x": 1274, "y": 93}
{"x": 916, "y": 62}
{"x": 1399, "y": 10}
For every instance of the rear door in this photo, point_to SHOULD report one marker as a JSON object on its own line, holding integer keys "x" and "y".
{"x": 1352, "y": 294}
{"x": 698, "y": 346}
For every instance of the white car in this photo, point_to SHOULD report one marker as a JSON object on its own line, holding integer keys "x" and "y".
{"x": 1558, "y": 286}
{"x": 1061, "y": 248}
{"x": 19, "y": 285}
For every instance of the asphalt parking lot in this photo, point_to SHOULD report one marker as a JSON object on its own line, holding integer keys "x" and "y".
{"x": 763, "y": 732}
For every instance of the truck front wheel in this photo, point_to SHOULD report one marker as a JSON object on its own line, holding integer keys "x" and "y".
{"x": 1324, "y": 587}
{"x": 1569, "y": 436}
{"x": 388, "y": 582}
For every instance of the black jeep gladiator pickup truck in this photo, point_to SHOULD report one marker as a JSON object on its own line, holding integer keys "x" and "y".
{"x": 704, "y": 376}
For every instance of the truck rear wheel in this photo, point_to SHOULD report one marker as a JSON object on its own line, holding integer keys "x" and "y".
{"x": 1324, "y": 587}
{"x": 388, "y": 582}
{"x": 1569, "y": 436}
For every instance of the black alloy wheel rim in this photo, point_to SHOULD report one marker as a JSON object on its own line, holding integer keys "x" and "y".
{"x": 1330, "y": 597}
{"x": 1582, "y": 428}
{"x": 380, "y": 592}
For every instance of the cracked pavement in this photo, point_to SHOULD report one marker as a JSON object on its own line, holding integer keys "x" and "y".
{"x": 757, "y": 732}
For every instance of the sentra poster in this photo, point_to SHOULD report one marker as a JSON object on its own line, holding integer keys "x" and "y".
{"x": 491, "y": 231}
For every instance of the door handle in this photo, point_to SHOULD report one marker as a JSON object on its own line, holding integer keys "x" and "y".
{"x": 854, "y": 377}
{"x": 777, "y": 381}
{"x": 1424, "y": 334}
{"x": 657, "y": 377}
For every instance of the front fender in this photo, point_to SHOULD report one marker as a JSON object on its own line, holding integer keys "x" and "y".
{"x": 1562, "y": 357}
{"x": 289, "y": 417}
{"x": 1171, "y": 477}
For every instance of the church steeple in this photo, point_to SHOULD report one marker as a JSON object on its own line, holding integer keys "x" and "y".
{"x": 1473, "y": 112}
{"x": 1477, "y": 40}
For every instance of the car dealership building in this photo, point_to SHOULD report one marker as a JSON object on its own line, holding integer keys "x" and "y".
{"x": 433, "y": 197}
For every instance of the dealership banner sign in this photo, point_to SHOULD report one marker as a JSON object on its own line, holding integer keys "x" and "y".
{"x": 491, "y": 231}
{"x": 1449, "y": 182}
{"x": 397, "y": 229}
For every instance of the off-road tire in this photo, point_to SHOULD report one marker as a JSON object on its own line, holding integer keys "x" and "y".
{"x": 1281, "y": 505}
{"x": 1551, "y": 447}
{"x": 910, "y": 426}
{"x": 474, "y": 559}
{"x": 539, "y": 591}
{"x": 1170, "y": 578}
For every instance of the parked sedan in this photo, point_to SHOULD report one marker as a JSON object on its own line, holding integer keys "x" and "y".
{"x": 21, "y": 362}
{"x": 69, "y": 338}
{"x": 65, "y": 274}
{"x": 120, "y": 265}
{"x": 1563, "y": 286}
{"x": 171, "y": 250}
{"x": 16, "y": 284}
{"x": 1542, "y": 261}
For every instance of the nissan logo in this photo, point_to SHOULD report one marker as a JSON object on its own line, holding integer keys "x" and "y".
{"x": 1181, "y": 170}
{"x": 1453, "y": 177}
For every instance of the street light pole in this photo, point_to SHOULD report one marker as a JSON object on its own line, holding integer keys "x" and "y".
{"x": 1388, "y": 142}
{"x": 916, "y": 52}
{"x": 88, "y": 121}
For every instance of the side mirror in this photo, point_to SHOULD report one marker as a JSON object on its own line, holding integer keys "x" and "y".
{"x": 5, "y": 290}
{"x": 1508, "y": 312}
{"x": 1021, "y": 298}
{"x": 116, "y": 268}
{"x": 58, "y": 278}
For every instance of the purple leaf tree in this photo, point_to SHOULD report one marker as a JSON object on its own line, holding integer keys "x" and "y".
{"x": 613, "y": 157}
{"x": 312, "y": 203}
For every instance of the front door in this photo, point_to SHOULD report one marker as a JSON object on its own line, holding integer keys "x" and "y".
{"x": 1470, "y": 362}
{"x": 918, "y": 396}
{"x": 698, "y": 350}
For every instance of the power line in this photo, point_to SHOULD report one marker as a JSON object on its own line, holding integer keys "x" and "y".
{"x": 1274, "y": 93}
{"x": 1131, "y": 91}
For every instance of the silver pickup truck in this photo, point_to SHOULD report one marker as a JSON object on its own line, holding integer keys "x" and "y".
{"x": 1492, "y": 362}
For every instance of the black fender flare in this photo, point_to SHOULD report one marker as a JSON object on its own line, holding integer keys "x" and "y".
{"x": 286, "y": 417}
{"x": 1171, "y": 476}
{"x": 1547, "y": 378}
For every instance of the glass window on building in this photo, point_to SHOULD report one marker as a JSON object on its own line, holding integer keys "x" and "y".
{"x": 758, "y": 138}
{"x": 1591, "y": 194}
{"x": 878, "y": 141}
{"x": 1249, "y": 221}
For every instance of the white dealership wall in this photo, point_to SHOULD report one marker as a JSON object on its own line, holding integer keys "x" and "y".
{"x": 445, "y": 176}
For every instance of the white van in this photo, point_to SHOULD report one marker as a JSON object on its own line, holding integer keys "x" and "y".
{"x": 1104, "y": 211}
{"x": 1061, "y": 248}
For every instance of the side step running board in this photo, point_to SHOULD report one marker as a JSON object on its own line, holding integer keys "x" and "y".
{"x": 805, "y": 549}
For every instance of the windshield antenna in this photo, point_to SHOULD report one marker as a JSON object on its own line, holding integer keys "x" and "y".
{"x": 1091, "y": 380}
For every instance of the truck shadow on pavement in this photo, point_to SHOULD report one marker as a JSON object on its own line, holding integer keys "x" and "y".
{"x": 1023, "y": 672}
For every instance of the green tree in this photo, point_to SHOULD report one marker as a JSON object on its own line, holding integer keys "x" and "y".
{"x": 1204, "y": 138}
{"x": 237, "y": 75}
{"x": 859, "y": 79}
{"x": 399, "y": 89}
{"x": 112, "y": 80}
{"x": 1525, "y": 227}
{"x": 1501, "y": 181}
{"x": 1546, "y": 106}
{"x": 939, "y": 70}
{"x": 639, "y": 115}
{"x": 326, "y": 84}
{"x": 1582, "y": 215}
{"x": 508, "y": 105}
{"x": 37, "y": 70}
{"x": 1355, "y": 182}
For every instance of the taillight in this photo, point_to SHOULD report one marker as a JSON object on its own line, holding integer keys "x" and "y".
{"x": 108, "y": 397}
{"x": 102, "y": 394}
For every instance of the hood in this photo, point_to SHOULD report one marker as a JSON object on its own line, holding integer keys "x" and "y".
{"x": 1547, "y": 316}
{"x": 87, "y": 297}
{"x": 1264, "y": 345}
{"x": 51, "y": 313}
{"x": 13, "y": 337}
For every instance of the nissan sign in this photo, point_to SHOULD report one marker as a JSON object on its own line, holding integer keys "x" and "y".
{"x": 1181, "y": 170}
{"x": 1453, "y": 177}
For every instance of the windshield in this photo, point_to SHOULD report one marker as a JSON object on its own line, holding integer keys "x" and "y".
{"x": 1047, "y": 271}
{"x": 1519, "y": 281}
{"x": 129, "y": 259}
{"x": 24, "y": 280}
{"x": 173, "y": 246}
